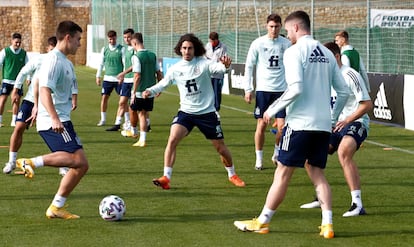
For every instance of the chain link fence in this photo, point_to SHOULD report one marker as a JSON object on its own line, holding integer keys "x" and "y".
{"x": 239, "y": 22}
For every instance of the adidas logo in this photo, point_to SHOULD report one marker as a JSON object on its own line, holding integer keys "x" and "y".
{"x": 317, "y": 56}
{"x": 381, "y": 109}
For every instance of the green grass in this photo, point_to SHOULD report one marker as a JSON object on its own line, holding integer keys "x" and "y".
{"x": 201, "y": 206}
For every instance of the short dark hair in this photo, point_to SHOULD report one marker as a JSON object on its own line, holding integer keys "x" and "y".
{"x": 199, "y": 49}
{"x": 138, "y": 37}
{"x": 333, "y": 47}
{"x": 16, "y": 36}
{"x": 129, "y": 30}
{"x": 343, "y": 34}
{"x": 274, "y": 17}
{"x": 302, "y": 16}
{"x": 52, "y": 41}
{"x": 213, "y": 36}
{"x": 111, "y": 33}
{"x": 67, "y": 27}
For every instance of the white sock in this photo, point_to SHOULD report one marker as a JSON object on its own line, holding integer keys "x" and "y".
{"x": 326, "y": 217}
{"x": 126, "y": 117}
{"x": 103, "y": 116}
{"x": 118, "y": 120}
{"x": 266, "y": 215}
{"x": 168, "y": 172}
{"x": 1, "y": 118}
{"x": 356, "y": 197}
{"x": 148, "y": 121}
{"x": 259, "y": 157}
{"x": 134, "y": 130}
{"x": 142, "y": 136}
{"x": 276, "y": 151}
{"x": 38, "y": 161}
{"x": 230, "y": 171}
{"x": 58, "y": 201}
{"x": 12, "y": 156}
{"x": 14, "y": 118}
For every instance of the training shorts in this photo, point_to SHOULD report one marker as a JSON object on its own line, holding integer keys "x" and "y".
{"x": 208, "y": 124}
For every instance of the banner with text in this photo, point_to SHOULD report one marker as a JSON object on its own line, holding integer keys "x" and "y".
{"x": 392, "y": 18}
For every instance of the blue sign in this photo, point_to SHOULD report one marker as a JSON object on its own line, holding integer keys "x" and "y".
{"x": 167, "y": 62}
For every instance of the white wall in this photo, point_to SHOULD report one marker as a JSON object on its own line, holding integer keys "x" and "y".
{"x": 409, "y": 101}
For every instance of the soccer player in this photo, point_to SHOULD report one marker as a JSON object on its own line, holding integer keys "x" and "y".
{"x": 266, "y": 53}
{"x": 215, "y": 49}
{"x": 311, "y": 70}
{"x": 349, "y": 132}
{"x": 146, "y": 73}
{"x": 28, "y": 109}
{"x": 12, "y": 60}
{"x": 350, "y": 56}
{"x": 112, "y": 57}
{"x": 192, "y": 74}
{"x": 57, "y": 98}
{"x": 127, "y": 79}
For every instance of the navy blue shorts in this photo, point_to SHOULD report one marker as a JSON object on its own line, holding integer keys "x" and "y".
{"x": 126, "y": 89}
{"x": 25, "y": 111}
{"x": 141, "y": 104}
{"x": 298, "y": 146}
{"x": 7, "y": 88}
{"x": 355, "y": 129}
{"x": 66, "y": 141}
{"x": 109, "y": 86}
{"x": 207, "y": 123}
{"x": 264, "y": 100}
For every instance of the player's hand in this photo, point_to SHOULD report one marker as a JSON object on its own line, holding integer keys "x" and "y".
{"x": 98, "y": 81}
{"x": 33, "y": 117}
{"x": 248, "y": 97}
{"x": 57, "y": 126}
{"x": 120, "y": 76}
{"x": 146, "y": 94}
{"x": 340, "y": 125}
{"x": 226, "y": 60}
{"x": 266, "y": 118}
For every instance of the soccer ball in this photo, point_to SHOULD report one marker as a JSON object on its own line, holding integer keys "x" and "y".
{"x": 112, "y": 208}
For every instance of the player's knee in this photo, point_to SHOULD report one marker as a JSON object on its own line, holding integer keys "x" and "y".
{"x": 82, "y": 166}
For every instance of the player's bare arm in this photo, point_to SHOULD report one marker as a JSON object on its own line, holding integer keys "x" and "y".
{"x": 47, "y": 102}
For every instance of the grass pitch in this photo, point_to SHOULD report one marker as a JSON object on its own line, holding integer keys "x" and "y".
{"x": 201, "y": 206}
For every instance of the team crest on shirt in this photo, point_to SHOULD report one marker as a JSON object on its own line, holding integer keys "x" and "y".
{"x": 196, "y": 70}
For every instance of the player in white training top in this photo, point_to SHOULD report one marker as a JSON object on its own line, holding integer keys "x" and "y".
{"x": 192, "y": 75}
{"x": 266, "y": 53}
{"x": 26, "y": 115}
{"x": 310, "y": 70}
{"x": 350, "y": 131}
{"x": 57, "y": 98}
